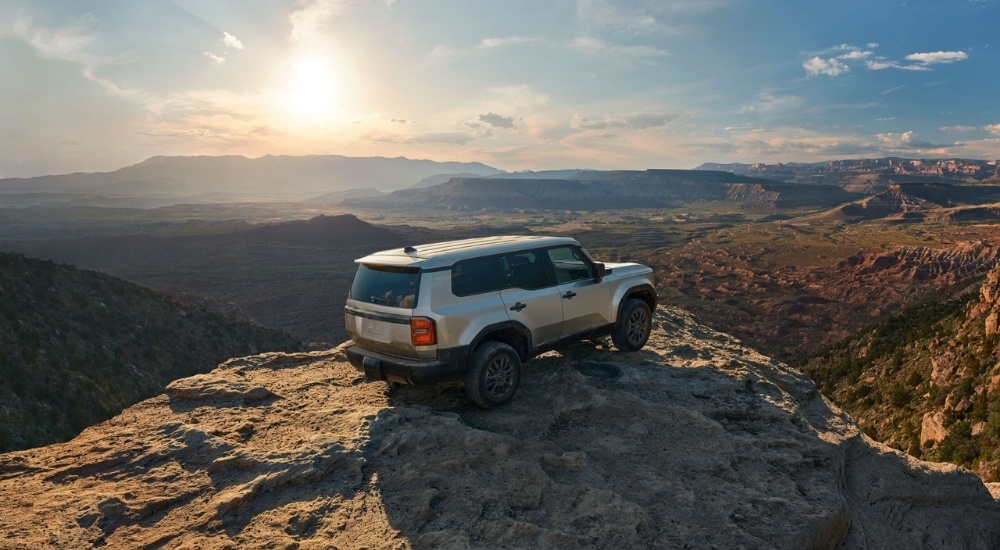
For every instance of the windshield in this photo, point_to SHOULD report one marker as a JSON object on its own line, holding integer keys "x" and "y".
{"x": 386, "y": 285}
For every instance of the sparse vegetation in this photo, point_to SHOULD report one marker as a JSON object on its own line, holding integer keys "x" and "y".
{"x": 76, "y": 347}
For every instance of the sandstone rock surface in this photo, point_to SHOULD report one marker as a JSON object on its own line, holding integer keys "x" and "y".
{"x": 694, "y": 442}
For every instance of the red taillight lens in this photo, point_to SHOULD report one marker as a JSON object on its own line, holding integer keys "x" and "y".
{"x": 422, "y": 332}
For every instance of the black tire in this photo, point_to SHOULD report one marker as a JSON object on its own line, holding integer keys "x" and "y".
{"x": 634, "y": 325}
{"x": 494, "y": 375}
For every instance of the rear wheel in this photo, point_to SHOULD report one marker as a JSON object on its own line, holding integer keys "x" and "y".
{"x": 494, "y": 375}
{"x": 634, "y": 325}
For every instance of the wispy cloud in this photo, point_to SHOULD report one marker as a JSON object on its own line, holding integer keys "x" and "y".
{"x": 769, "y": 102}
{"x": 216, "y": 58}
{"x": 635, "y": 121}
{"x": 592, "y": 45}
{"x": 643, "y": 16}
{"x": 931, "y": 58}
{"x": 993, "y": 129}
{"x": 918, "y": 61}
{"x": 444, "y": 53}
{"x": 309, "y": 22}
{"x": 959, "y": 128}
{"x": 883, "y": 63}
{"x": 231, "y": 41}
{"x": 893, "y": 89}
{"x": 446, "y": 138}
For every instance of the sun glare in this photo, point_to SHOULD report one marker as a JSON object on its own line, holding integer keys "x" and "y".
{"x": 314, "y": 90}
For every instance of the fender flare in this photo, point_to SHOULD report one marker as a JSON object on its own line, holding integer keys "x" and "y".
{"x": 645, "y": 287}
{"x": 504, "y": 325}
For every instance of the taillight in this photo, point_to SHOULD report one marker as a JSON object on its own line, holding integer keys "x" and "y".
{"x": 422, "y": 332}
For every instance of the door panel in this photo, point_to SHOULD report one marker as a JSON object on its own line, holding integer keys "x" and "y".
{"x": 585, "y": 302}
{"x": 590, "y": 308}
{"x": 542, "y": 313}
{"x": 529, "y": 283}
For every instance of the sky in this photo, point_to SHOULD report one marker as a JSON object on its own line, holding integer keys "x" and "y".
{"x": 515, "y": 84}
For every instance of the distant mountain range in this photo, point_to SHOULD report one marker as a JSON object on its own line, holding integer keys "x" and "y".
{"x": 617, "y": 189}
{"x": 76, "y": 347}
{"x": 213, "y": 179}
{"x": 363, "y": 181}
{"x": 870, "y": 174}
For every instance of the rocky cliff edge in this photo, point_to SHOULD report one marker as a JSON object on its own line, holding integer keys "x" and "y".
{"x": 694, "y": 442}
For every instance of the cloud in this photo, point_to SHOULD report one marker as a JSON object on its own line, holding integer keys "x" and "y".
{"x": 402, "y": 121}
{"x": 72, "y": 44}
{"x": 993, "y": 129}
{"x": 767, "y": 102}
{"x": 829, "y": 67}
{"x": 635, "y": 121}
{"x": 905, "y": 140}
{"x": 216, "y": 58}
{"x": 66, "y": 43}
{"x": 893, "y": 89}
{"x": 596, "y": 46}
{"x": 883, "y": 63}
{"x": 231, "y": 41}
{"x": 959, "y": 128}
{"x": 643, "y": 16}
{"x": 448, "y": 138}
{"x": 444, "y": 53}
{"x": 855, "y": 54}
{"x": 309, "y": 23}
{"x": 495, "y": 120}
{"x": 937, "y": 57}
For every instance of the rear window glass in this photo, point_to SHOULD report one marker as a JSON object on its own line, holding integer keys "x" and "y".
{"x": 386, "y": 285}
{"x": 476, "y": 276}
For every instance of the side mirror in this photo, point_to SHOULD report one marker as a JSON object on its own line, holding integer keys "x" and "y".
{"x": 599, "y": 270}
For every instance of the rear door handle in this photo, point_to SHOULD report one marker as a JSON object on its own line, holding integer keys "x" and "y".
{"x": 518, "y": 306}
{"x": 569, "y": 294}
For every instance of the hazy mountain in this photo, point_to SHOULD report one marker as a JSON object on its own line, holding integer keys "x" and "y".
{"x": 870, "y": 175}
{"x": 207, "y": 178}
{"x": 76, "y": 347}
{"x": 594, "y": 190}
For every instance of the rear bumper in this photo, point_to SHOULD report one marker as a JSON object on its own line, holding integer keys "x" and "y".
{"x": 449, "y": 366}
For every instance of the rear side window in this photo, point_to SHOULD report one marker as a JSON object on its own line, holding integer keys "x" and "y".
{"x": 476, "y": 276}
{"x": 525, "y": 270}
{"x": 386, "y": 285}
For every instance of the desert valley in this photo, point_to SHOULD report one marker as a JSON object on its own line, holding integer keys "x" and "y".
{"x": 823, "y": 369}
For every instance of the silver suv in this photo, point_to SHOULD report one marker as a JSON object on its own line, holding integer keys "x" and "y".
{"x": 474, "y": 310}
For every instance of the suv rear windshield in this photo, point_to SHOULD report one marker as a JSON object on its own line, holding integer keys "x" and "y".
{"x": 386, "y": 285}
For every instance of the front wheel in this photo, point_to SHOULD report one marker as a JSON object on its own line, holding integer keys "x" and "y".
{"x": 634, "y": 325}
{"x": 494, "y": 375}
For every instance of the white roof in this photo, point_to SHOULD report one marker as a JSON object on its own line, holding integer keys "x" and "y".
{"x": 444, "y": 254}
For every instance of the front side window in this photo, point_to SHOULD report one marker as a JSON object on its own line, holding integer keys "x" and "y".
{"x": 386, "y": 285}
{"x": 476, "y": 276}
{"x": 570, "y": 264}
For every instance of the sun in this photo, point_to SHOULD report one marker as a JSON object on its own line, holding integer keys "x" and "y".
{"x": 314, "y": 90}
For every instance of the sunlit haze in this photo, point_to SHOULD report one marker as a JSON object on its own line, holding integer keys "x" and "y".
{"x": 95, "y": 86}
